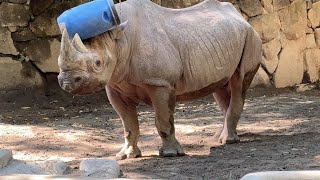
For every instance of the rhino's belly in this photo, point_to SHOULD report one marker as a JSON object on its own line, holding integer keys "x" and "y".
{"x": 188, "y": 96}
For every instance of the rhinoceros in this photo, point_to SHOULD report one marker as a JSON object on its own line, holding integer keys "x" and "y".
{"x": 160, "y": 56}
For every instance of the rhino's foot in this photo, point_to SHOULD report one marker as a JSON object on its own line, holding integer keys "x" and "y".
{"x": 171, "y": 150}
{"x": 128, "y": 152}
{"x": 228, "y": 138}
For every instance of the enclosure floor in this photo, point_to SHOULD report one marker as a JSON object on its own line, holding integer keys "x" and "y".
{"x": 279, "y": 130}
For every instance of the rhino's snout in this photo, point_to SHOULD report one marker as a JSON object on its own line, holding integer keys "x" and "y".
{"x": 71, "y": 83}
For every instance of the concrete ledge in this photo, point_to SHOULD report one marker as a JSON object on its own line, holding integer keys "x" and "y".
{"x": 5, "y": 157}
{"x": 283, "y": 175}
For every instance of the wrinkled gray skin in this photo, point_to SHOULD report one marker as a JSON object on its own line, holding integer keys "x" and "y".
{"x": 161, "y": 56}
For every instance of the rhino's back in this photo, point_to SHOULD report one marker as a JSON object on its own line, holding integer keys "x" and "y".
{"x": 206, "y": 39}
{"x": 210, "y": 38}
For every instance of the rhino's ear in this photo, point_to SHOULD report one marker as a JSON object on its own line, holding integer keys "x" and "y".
{"x": 78, "y": 44}
{"x": 117, "y": 32}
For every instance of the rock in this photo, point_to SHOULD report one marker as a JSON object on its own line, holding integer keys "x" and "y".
{"x": 12, "y": 28}
{"x": 309, "y": 4}
{"x": 260, "y": 79}
{"x": 270, "y": 64}
{"x": 280, "y": 4}
{"x": 312, "y": 63}
{"x": 282, "y": 175}
{"x": 314, "y": 15}
{"x": 100, "y": 168}
{"x": 44, "y": 53}
{"x": 23, "y": 34}
{"x": 5, "y": 156}
{"x": 311, "y": 42}
{"x": 267, "y": 5}
{"x": 305, "y": 87}
{"x": 18, "y": 75}
{"x": 157, "y": 2}
{"x": 317, "y": 36}
{"x": 251, "y": 7}
{"x": 54, "y": 167}
{"x": 18, "y": 1}
{"x": 46, "y": 25}
{"x": 294, "y": 19}
{"x": 271, "y": 49}
{"x": 309, "y": 31}
{"x": 44, "y": 177}
{"x": 176, "y": 3}
{"x": 39, "y": 6}
{"x": 13, "y": 15}
{"x": 6, "y": 43}
{"x": 267, "y": 25}
{"x": 290, "y": 68}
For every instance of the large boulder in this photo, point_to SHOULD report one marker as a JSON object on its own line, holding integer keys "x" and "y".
{"x": 311, "y": 42}
{"x": 100, "y": 168}
{"x": 317, "y": 36}
{"x": 18, "y": 1}
{"x": 5, "y": 157}
{"x": 280, "y": 4}
{"x": 312, "y": 62}
{"x": 271, "y": 49}
{"x": 18, "y": 75}
{"x": 267, "y": 5}
{"x": 270, "y": 64}
{"x": 251, "y": 7}
{"x": 267, "y": 25}
{"x": 314, "y": 15}
{"x": 13, "y": 15}
{"x": 39, "y": 6}
{"x": 23, "y": 34}
{"x": 290, "y": 68}
{"x": 294, "y": 19}
{"x": 44, "y": 53}
{"x": 261, "y": 79}
{"x": 6, "y": 43}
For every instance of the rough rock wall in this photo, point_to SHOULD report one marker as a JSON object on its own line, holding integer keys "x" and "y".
{"x": 29, "y": 41}
{"x": 290, "y": 30}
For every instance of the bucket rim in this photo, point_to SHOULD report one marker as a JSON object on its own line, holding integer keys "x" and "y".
{"x": 114, "y": 12}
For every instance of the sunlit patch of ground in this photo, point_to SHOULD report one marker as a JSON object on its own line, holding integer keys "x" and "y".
{"x": 278, "y": 132}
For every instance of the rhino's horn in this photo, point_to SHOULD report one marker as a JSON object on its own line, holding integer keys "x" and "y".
{"x": 65, "y": 45}
{"x": 78, "y": 44}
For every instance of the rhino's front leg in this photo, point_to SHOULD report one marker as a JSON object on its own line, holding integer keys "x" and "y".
{"x": 126, "y": 109}
{"x": 163, "y": 101}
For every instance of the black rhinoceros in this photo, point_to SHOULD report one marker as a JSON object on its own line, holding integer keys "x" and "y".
{"x": 162, "y": 56}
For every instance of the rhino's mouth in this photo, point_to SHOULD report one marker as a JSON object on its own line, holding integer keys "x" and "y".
{"x": 87, "y": 89}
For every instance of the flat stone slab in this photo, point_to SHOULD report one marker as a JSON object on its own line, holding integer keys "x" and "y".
{"x": 5, "y": 157}
{"x": 100, "y": 168}
{"x": 283, "y": 175}
{"x": 44, "y": 177}
{"x": 53, "y": 167}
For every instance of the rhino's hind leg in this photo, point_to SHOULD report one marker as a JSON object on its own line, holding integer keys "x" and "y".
{"x": 126, "y": 109}
{"x": 222, "y": 97}
{"x": 163, "y": 101}
{"x": 231, "y": 102}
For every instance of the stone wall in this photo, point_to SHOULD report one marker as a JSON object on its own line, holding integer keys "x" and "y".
{"x": 29, "y": 41}
{"x": 290, "y": 30}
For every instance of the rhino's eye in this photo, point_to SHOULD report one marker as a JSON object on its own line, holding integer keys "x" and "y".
{"x": 98, "y": 63}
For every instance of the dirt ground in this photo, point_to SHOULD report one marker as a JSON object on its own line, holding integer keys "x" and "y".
{"x": 279, "y": 130}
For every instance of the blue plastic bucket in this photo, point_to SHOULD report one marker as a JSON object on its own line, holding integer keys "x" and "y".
{"x": 89, "y": 19}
